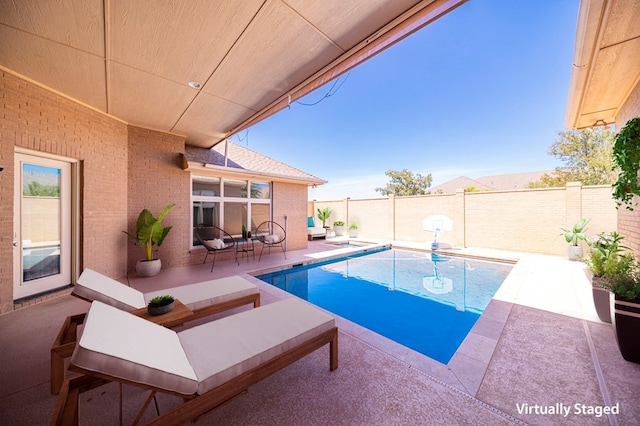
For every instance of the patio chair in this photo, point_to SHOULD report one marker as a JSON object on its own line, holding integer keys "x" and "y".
{"x": 215, "y": 240}
{"x": 314, "y": 231}
{"x": 271, "y": 234}
{"x": 204, "y": 299}
{"x": 206, "y": 365}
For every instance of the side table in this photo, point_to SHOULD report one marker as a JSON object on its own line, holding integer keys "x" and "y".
{"x": 245, "y": 246}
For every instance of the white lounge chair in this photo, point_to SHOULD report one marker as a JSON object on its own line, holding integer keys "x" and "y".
{"x": 207, "y": 365}
{"x": 204, "y": 299}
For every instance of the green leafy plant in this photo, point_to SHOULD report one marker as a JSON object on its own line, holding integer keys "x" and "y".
{"x": 149, "y": 231}
{"x": 158, "y": 301}
{"x": 575, "y": 234}
{"x": 626, "y": 157}
{"x": 338, "y": 223}
{"x": 626, "y": 284}
{"x": 323, "y": 215}
{"x": 353, "y": 226}
{"x": 608, "y": 256}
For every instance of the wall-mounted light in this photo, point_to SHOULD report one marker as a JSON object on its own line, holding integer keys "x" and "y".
{"x": 195, "y": 85}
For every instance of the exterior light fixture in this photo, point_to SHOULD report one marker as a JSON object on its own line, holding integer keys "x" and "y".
{"x": 195, "y": 85}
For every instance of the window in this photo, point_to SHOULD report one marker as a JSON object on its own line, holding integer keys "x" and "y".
{"x": 227, "y": 204}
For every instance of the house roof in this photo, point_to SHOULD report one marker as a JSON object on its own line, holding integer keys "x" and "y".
{"x": 490, "y": 183}
{"x": 134, "y": 59}
{"x": 244, "y": 162}
{"x": 606, "y": 63}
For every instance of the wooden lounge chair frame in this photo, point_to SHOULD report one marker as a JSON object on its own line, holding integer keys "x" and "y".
{"x": 66, "y": 340}
{"x": 66, "y": 411}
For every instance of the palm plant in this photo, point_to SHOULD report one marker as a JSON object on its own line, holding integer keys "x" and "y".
{"x": 323, "y": 215}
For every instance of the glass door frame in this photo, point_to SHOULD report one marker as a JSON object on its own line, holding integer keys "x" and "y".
{"x": 69, "y": 224}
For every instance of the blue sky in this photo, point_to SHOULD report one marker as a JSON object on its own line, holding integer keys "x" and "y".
{"x": 480, "y": 92}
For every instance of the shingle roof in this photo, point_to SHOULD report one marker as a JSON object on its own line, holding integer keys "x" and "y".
{"x": 489, "y": 183}
{"x": 245, "y": 159}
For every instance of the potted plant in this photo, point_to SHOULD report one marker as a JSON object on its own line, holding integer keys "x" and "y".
{"x": 625, "y": 310}
{"x": 149, "y": 232}
{"x": 626, "y": 156}
{"x": 160, "y": 305}
{"x": 573, "y": 236}
{"x": 338, "y": 226}
{"x": 353, "y": 230}
{"x": 607, "y": 258}
{"x": 323, "y": 215}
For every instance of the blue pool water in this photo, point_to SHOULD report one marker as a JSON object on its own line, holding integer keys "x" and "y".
{"x": 424, "y": 301}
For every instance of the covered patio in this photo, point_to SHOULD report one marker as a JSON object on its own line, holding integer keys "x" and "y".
{"x": 537, "y": 349}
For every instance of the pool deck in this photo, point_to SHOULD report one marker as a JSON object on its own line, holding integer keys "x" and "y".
{"x": 538, "y": 347}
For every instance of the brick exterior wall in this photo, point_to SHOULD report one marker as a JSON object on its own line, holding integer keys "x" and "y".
{"x": 42, "y": 121}
{"x": 524, "y": 220}
{"x": 629, "y": 221}
{"x": 156, "y": 179}
{"x": 122, "y": 170}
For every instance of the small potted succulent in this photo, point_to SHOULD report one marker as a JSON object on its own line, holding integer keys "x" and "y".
{"x": 161, "y": 305}
{"x": 338, "y": 227}
{"x": 353, "y": 230}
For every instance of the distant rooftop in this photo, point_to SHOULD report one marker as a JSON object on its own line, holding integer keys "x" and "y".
{"x": 246, "y": 161}
{"x": 489, "y": 183}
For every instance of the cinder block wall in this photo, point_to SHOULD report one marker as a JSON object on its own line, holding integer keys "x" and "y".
{"x": 525, "y": 220}
{"x": 629, "y": 221}
{"x": 40, "y": 120}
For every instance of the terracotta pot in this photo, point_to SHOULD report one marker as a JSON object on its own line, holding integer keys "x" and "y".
{"x": 626, "y": 321}
{"x": 148, "y": 268}
{"x": 601, "y": 300}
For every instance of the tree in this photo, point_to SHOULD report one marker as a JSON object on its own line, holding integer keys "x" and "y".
{"x": 404, "y": 182}
{"x": 36, "y": 189}
{"x": 587, "y": 158}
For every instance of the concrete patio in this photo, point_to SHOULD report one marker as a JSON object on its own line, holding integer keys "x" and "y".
{"x": 537, "y": 351}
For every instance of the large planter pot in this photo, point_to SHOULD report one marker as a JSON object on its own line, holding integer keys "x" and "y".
{"x": 339, "y": 230}
{"x": 574, "y": 253}
{"x": 148, "y": 268}
{"x": 601, "y": 299}
{"x": 626, "y": 322}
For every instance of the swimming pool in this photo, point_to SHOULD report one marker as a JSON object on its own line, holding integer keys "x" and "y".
{"x": 424, "y": 301}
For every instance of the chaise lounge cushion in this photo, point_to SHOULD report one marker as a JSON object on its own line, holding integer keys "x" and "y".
{"x": 118, "y": 344}
{"x": 241, "y": 342}
{"x": 92, "y": 285}
{"x": 200, "y": 295}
